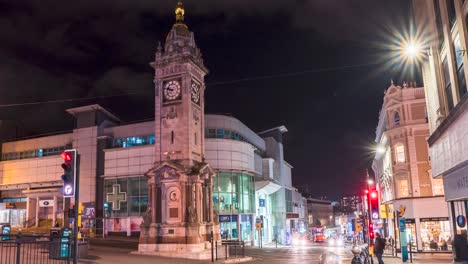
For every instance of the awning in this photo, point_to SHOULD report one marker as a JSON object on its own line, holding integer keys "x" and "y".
{"x": 268, "y": 187}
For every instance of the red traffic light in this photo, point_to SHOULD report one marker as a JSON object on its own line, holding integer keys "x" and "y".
{"x": 373, "y": 195}
{"x": 66, "y": 156}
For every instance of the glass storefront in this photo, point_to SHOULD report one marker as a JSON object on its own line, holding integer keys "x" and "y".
{"x": 231, "y": 228}
{"x": 435, "y": 234}
{"x": 234, "y": 200}
{"x": 136, "y": 196}
{"x": 234, "y": 193}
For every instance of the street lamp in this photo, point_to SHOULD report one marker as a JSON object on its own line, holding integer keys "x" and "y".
{"x": 370, "y": 181}
{"x": 380, "y": 149}
{"x": 412, "y": 49}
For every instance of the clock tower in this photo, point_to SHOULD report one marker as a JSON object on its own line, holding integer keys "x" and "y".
{"x": 179, "y": 220}
{"x": 179, "y": 86}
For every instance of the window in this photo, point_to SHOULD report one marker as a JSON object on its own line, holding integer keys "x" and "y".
{"x": 400, "y": 153}
{"x": 195, "y": 138}
{"x": 172, "y": 137}
{"x": 136, "y": 189}
{"x": 133, "y": 141}
{"x": 448, "y": 85}
{"x": 289, "y": 201}
{"x": 440, "y": 31}
{"x": 396, "y": 119}
{"x": 459, "y": 51}
{"x": 451, "y": 13}
{"x": 403, "y": 190}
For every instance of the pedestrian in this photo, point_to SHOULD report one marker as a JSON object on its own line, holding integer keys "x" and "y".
{"x": 379, "y": 247}
{"x": 461, "y": 247}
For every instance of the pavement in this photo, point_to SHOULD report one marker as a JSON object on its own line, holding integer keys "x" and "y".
{"x": 116, "y": 250}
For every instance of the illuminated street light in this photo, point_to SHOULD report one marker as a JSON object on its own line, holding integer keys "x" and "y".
{"x": 380, "y": 149}
{"x": 370, "y": 181}
{"x": 412, "y": 50}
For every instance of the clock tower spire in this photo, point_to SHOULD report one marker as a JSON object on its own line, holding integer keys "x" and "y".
{"x": 179, "y": 85}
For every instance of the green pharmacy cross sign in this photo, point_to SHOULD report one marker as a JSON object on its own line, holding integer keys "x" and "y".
{"x": 116, "y": 197}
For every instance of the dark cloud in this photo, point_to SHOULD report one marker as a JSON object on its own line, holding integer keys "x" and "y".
{"x": 52, "y": 49}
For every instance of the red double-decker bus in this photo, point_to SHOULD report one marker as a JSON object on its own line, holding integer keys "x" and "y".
{"x": 318, "y": 233}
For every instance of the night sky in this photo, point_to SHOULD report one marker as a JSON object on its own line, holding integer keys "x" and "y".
{"x": 319, "y": 67}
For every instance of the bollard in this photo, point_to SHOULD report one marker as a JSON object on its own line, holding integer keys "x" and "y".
{"x": 212, "y": 248}
{"x": 356, "y": 250}
{"x": 226, "y": 249}
{"x": 216, "y": 250}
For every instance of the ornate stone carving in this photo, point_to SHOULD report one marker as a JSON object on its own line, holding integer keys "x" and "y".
{"x": 172, "y": 113}
{"x": 166, "y": 172}
{"x": 192, "y": 214}
{"x": 147, "y": 219}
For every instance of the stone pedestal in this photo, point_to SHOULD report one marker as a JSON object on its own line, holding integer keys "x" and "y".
{"x": 191, "y": 241}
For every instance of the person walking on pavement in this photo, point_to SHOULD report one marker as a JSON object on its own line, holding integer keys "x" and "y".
{"x": 379, "y": 247}
{"x": 461, "y": 247}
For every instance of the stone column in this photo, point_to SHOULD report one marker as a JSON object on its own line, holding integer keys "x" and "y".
{"x": 54, "y": 211}
{"x": 37, "y": 212}
{"x": 152, "y": 199}
{"x": 210, "y": 199}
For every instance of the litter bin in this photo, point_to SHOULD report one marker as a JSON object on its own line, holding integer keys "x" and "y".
{"x": 59, "y": 247}
{"x": 6, "y": 231}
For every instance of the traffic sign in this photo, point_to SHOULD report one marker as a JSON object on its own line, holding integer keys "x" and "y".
{"x": 258, "y": 226}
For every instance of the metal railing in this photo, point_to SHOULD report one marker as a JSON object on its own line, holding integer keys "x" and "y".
{"x": 32, "y": 249}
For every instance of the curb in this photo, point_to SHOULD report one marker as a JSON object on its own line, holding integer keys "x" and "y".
{"x": 239, "y": 260}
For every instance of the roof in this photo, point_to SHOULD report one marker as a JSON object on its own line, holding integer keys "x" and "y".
{"x": 89, "y": 108}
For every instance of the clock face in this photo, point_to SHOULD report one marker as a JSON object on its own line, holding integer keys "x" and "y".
{"x": 171, "y": 90}
{"x": 195, "y": 92}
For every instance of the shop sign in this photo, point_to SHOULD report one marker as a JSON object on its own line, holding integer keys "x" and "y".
{"x": 383, "y": 211}
{"x": 224, "y": 218}
{"x": 227, "y": 218}
{"x": 390, "y": 211}
{"x": 292, "y": 215}
{"x": 433, "y": 219}
{"x": 46, "y": 203}
{"x": 456, "y": 185}
{"x": 261, "y": 202}
{"x": 402, "y": 211}
{"x": 461, "y": 221}
{"x": 410, "y": 220}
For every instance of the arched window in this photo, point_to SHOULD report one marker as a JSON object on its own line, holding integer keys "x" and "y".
{"x": 396, "y": 119}
{"x": 400, "y": 156}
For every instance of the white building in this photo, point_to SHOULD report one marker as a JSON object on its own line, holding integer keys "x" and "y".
{"x": 443, "y": 27}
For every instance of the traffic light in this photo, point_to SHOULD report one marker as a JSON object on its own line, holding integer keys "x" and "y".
{"x": 371, "y": 231}
{"x": 373, "y": 198}
{"x": 69, "y": 172}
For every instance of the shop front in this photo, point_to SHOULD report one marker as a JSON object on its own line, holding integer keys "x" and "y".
{"x": 13, "y": 212}
{"x": 234, "y": 202}
{"x": 456, "y": 194}
{"x": 236, "y": 227}
{"x": 435, "y": 234}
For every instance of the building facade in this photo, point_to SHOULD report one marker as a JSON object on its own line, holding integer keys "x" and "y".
{"x": 120, "y": 163}
{"x": 403, "y": 171}
{"x": 443, "y": 27}
{"x": 320, "y": 213}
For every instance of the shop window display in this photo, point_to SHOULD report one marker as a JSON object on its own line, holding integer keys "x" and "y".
{"x": 435, "y": 234}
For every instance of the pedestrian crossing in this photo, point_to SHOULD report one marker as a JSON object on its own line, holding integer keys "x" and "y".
{"x": 305, "y": 254}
